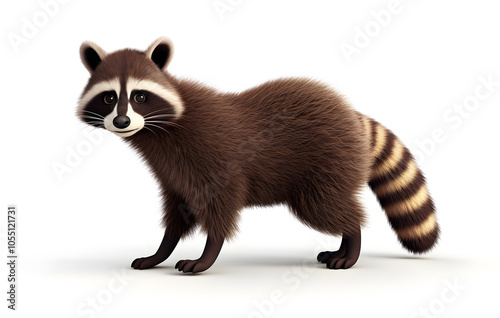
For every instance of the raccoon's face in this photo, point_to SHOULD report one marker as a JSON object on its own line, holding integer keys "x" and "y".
{"x": 129, "y": 90}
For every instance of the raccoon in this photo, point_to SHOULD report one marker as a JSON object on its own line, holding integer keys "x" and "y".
{"x": 291, "y": 141}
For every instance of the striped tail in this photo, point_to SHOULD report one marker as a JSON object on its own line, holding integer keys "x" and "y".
{"x": 401, "y": 190}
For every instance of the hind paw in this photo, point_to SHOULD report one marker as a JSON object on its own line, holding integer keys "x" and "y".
{"x": 341, "y": 262}
{"x": 346, "y": 256}
{"x": 325, "y": 256}
{"x": 337, "y": 259}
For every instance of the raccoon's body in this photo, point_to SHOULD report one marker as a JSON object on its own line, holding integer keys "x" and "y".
{"x": 290, "y": 141}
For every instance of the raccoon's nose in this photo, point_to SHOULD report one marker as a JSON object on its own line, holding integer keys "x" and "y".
{"x": 121, "y": 121}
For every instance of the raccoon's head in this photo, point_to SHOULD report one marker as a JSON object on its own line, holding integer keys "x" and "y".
{"x": 128, "y": 89}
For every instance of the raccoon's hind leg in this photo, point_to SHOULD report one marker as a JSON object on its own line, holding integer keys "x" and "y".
{"x": 346, "y": 256}
{"x": 331, "y": 212}
{"x": 179, "y": 221}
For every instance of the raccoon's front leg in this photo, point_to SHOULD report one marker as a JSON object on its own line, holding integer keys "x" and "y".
{"x": 179, "y": 221}
{"x": 166, "y": 248}
{"x": 218, "y": 218}
{"x": 210, "y": 253}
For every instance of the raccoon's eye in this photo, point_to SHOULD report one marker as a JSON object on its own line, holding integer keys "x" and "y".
{"x": 109, "y": 99}
{"x": 139, "y": 98}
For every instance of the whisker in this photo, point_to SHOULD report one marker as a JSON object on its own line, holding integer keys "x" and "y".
{"x": 86, "y": 123}
{"x": 146, "y": 124}
{"x": 160, "y": 116}
{"x": 174, "y": 124}
{"x": 150, "y": 130}
{"x": 96, "y": 124}
{"x": 157, "y": 121}
{"x": 154, "y": 111}
{"x": 94, "y": 128}
{"x": 92, "y": 113}
{"x": 92, "y": 120}
{"x": 165, "y": 123}
{"x": 159, "y": 110}
{"x": 91, "y": 117}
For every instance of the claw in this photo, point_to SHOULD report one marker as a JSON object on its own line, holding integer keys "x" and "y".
{"x": 346, "y": 256}
{"x": 146, "y": 262}
{"x": 191, "y": 266}
{"x": 180, "y": 264}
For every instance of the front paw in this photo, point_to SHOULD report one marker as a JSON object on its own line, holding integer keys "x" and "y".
{"x": 146, "y": 262}
{"x": 192, "y": 266}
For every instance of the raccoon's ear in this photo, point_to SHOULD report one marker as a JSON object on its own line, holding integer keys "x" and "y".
{"x": 91, "y": 55}
{"x": 160, "y": 52}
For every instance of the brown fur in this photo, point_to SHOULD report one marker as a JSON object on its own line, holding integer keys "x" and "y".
{"x": 292, "y": 141}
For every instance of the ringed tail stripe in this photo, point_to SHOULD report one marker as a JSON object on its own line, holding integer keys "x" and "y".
{"x": 401, "y": 182}
{"x": 409, "y": 205}
{"x": 391, "y": 160}
{"x": 400, "y": 188}
{"x": 387, "y": 177}
{"x": 388, "y": 146}
{"x": 417, "y": 217}
{"x": 420, "y": 230}
{"x": 402, "y": 193}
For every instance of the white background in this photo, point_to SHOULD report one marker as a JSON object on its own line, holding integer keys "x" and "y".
{"x": 80, "y": 231}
